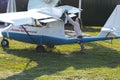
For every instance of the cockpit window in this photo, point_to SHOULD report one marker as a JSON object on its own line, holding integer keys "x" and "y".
{"x": 36, "y": 23}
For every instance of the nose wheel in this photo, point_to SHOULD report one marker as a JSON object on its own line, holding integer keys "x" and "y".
{"x": 5, "y": 43}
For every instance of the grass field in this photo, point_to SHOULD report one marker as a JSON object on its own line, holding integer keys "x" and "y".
{"x": 101, "y": 62}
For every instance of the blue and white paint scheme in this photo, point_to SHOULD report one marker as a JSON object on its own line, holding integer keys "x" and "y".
{"x": 38, "y": 26}
{"x": 43, "y": 26}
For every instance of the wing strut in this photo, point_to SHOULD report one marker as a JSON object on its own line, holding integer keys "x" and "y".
{"x": 28, "y": 34}
{"x": 111, "y": 41}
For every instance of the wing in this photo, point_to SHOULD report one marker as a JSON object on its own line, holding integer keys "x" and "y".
{"x": 47, "y": 14}
{"x": 21, "y": 18}
{"x": 14, "y": 18}
{"x": 70, "y": 9}
{"x": 56, "y": 12}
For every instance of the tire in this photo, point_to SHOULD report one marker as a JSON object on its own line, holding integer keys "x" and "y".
{"x": 40, "y": 48}
{"x": 5, "y": 43}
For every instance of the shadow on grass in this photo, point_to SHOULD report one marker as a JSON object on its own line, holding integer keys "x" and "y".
{"x": 54, "y": 62}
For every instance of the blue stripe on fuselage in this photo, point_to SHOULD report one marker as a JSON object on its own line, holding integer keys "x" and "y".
{"x": 39, "y": 39}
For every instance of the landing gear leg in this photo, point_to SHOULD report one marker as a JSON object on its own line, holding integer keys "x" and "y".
{"x": 83, "y": 50}
{"x": 40, "y": 48}
{"x": 5, "y": 43}
{"x": 50, "y": 47}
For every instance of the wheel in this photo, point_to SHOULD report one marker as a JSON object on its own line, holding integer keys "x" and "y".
{"x": 5, "y": 43}
{"x": 40, "y": 48}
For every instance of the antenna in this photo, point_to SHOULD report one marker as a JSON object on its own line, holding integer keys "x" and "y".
{"x": 80, "y": 3}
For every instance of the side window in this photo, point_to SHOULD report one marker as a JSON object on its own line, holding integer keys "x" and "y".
{"x": 36, "y": 23}
{"x": 43, "y": 24}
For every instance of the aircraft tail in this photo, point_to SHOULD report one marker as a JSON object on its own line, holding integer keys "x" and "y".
{"x": 112, "y": 26}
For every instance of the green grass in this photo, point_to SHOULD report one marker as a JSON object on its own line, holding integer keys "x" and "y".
{"x": 101, "y": 62}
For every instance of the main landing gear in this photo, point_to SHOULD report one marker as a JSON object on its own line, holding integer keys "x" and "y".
{"x": 83, "y": 50}
{"x": 48, "y": 47}
{"x": 5, "y": 43}
{"x": 40, "y": 48}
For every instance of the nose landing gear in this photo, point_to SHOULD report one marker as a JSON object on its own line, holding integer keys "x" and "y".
{"x": 5, "y": 43}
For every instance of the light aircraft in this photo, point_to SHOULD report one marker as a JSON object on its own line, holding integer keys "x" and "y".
{"x": 44, "y": 27}
{"x": 37, "y": 26}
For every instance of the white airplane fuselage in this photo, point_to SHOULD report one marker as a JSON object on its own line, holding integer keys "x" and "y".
{"x": 51, "y": 33}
